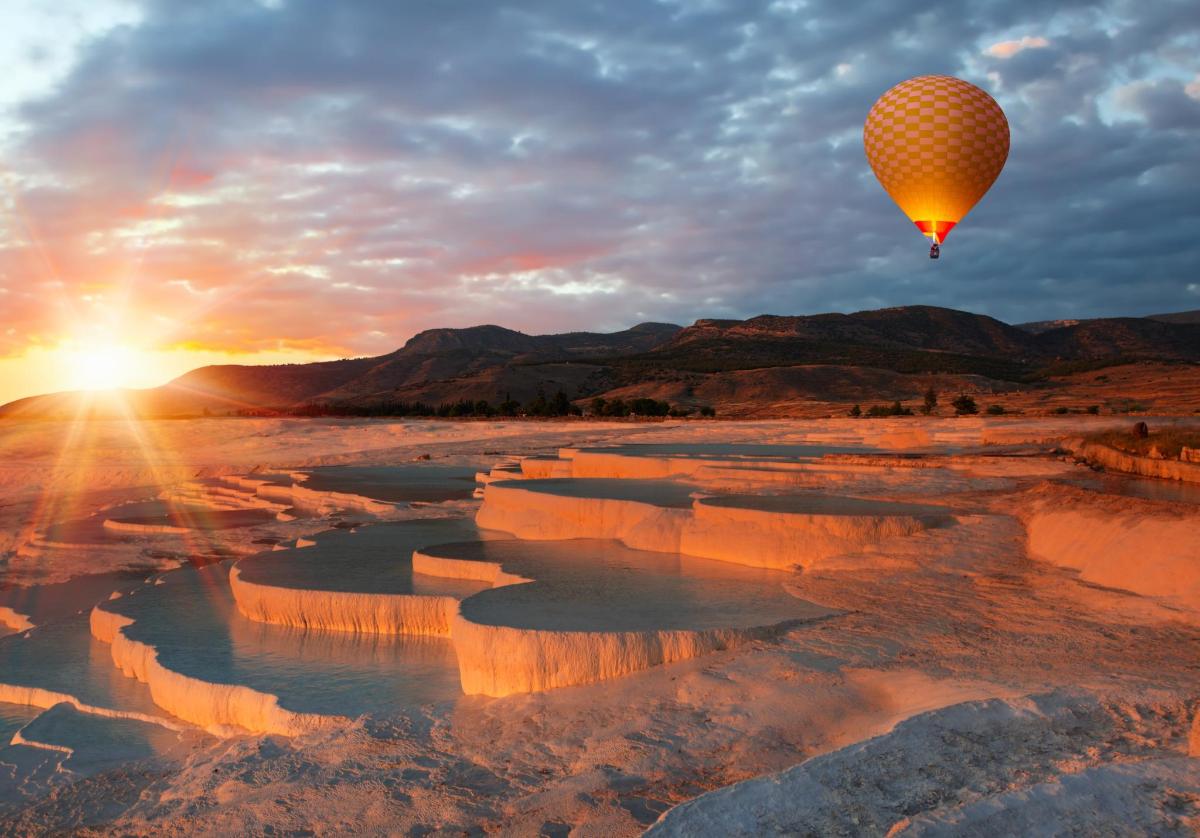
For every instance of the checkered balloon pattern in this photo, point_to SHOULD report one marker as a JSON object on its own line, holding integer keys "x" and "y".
{"x": 936, "y": 144}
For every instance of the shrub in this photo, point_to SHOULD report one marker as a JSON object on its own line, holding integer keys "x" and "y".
{"x": 964, "y": 405}
{"x": 707, "y": 411}
{"x": 894, "y": 409}
{"x": 1094, "y": 410}
{"x": 649, "y": 407}
{"x": 995, "y": 410}
{"x": 930, "y": 401}
{"x": 856, "y": 411}
{"x": 1061, "y": 410}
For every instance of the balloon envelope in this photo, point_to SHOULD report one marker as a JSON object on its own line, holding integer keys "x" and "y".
{"x": 936, "y": 144}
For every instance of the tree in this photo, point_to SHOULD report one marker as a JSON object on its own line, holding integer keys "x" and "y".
{"x": 649, "y": 407}
{"x": 561, "y": 405}
{"x": 856, "y": 411}
{"x": 930, "y": 401}
{"x": 598, "y": 406}
{"x": 964, "y": 404}
{"x": 508, "y": 407}
{"x": 894, "y": 409}
{"x": 539, "y": 406}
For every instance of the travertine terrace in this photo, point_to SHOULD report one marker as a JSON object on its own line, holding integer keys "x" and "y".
{"x": 533, "y": 628}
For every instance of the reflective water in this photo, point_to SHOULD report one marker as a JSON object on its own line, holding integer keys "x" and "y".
{"x": 814, "y": 504}
{"x": 374, "y": 559}
{"x": 42, "y": 603}
{"x": 398, "y": 484}
{"x": 63, "y": 657}
{"x": 599, "y": 585}
{"x": 192, "y": 620}
{"x": 197, "y": 517}
{"x": 91, "y": 530}
{"x": 1147, "y": 488}
{"x": 98, "y": 742}
{"x": 724, "y": 450}
{"x": 669, "y": 493}
{"x": 13, "y": 717}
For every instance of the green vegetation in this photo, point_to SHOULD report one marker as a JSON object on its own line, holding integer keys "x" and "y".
{"x": 559, "y": 405}
{"x": 964, "y": 405}
{"x": 856, "y": 411}
{"x": 1094, "y": 410}
{"x": 930, "y": 403}
{"x": 636, "y": 407}
{"x": 995, "y": 410}
{"x": 541, "y": 406}
{"x": 894, "y": 409}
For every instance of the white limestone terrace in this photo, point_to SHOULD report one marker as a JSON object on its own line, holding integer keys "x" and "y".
{"x": 580, "y": 611}
{"x": 359, "y": 580}
{"x": 764, "y": 531}
{"x": 207, "y": 664}
{"x": 853, "y": 468}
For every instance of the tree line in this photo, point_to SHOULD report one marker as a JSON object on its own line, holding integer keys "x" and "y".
{"x": 558, "y": 405}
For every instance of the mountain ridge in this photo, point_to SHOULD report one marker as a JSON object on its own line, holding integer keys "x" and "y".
{"x": 494, "y": 363}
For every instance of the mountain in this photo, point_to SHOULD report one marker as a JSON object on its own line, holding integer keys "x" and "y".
{"x": 765, "y": 365}
{"x": 1192, "y": 316}
{"x": 428, "y": 367}
{"x": 1039, "y": 326}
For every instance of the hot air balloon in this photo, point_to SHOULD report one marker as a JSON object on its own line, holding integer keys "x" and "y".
{"x": 936, "y": 144}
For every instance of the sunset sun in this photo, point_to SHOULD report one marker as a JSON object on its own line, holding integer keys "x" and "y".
{"x": 101, "y": 366}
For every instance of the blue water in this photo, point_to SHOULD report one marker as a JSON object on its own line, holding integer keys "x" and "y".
{"x": 43, "y": 603}
{"x": 397, "y": 484}
{"x": 192, "y": 620}
{"x": 726, "y": 450}
{"x": 13, "y": 717}
{"x": 668, "y": 493}
{"x": 374, "y": 559}
{"x": 62, "y": 656}
{"x": 599, "y": 585}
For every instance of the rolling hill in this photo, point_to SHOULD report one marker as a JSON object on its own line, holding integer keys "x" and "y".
{"x": 743, "y": 367}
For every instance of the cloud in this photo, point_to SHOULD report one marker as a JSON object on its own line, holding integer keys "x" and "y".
{"x": 339, "y": 176}
{"x": 1007, "y": 49}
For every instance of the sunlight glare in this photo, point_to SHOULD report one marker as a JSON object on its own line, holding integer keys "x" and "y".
{"x": 101, "y": 367}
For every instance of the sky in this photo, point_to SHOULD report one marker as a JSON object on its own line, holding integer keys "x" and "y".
{"x": 267, "y": 181}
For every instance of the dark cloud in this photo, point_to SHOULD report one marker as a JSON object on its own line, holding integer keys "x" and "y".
{"x": 343, "y": 174}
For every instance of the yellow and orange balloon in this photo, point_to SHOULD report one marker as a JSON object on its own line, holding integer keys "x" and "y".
{"x": 936, "y": 144}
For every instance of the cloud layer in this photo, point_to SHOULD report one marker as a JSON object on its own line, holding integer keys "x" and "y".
{"x": 332, "y": 177}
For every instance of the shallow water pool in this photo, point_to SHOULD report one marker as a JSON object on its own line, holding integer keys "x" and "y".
{"x": 397, "y": 484}
{"x": 193, "y": 622}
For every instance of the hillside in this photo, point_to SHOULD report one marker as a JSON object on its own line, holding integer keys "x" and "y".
{"x": 766, "y": 365}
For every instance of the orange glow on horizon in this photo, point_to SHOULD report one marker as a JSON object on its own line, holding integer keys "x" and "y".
{"x": 99, "y": 366}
